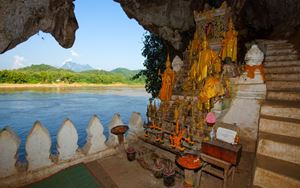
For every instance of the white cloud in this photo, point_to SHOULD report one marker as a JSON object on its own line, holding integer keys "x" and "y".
{"x": 75, "y": 54}
{"x": 18, "y": 62}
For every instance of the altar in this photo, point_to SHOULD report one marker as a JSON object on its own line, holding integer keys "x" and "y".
{"x": 194, "y": 87}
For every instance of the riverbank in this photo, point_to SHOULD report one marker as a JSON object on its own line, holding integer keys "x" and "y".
{"x": 73, "y": 85}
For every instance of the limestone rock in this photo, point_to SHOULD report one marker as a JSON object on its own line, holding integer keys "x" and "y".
{"x": 38, "y": 146}
{"x": 22, "y": 19}
{"x": 67, "y": 138}
{"x": 9, "y": 145}
{"x": 95, "y": 137}
{"x": 172, "y": 19}
{"x": 167, "y": 18}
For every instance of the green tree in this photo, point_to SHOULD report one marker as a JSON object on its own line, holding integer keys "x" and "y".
{"x": 155, "y": 53}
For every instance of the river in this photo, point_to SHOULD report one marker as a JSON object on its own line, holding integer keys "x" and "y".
{"x": 20, "y": 108}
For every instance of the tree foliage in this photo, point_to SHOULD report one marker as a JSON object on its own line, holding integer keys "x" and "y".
{"x": 155, "y": 53}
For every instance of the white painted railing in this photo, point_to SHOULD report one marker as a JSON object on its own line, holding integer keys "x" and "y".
{"x": 40, "y": 162}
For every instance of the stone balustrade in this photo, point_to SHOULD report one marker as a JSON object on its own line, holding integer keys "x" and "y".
{"x": 41, "y": 163}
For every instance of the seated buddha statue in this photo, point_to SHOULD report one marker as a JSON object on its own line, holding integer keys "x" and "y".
{"x": 212, "y": 88}
{"x": 168, "y": 78}
{"x": 207, "y": 58}
{"x": 229, "y": 46}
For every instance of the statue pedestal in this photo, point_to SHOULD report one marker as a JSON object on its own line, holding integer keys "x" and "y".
{"x": 258, "y": 79}
{"x": 244, "y": 110}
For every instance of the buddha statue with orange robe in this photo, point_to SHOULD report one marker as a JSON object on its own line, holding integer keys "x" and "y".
{"x": 168, "y": 79}
{"x": 229, "y": 46}
{"x": 206, "y": 59}
{"x": 212, "y": 88}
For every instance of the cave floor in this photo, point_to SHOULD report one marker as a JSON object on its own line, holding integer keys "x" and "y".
{"x": 117, "y": 171}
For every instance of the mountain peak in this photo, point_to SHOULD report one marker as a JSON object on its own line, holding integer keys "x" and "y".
{"x": 76, "y": 67}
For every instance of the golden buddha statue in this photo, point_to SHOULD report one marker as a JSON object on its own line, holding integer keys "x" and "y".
{"x": 207, "y": 57}
{"x": 168, "y": 78}
{"x": 229, "y": 46}
{"x": 212, "y": 88}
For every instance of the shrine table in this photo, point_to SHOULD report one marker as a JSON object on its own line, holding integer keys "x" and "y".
{"x": 209, "y": 164}
{"x": 220, "y": 154}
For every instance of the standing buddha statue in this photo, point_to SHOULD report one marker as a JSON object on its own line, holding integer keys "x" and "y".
{"x": 229, "y": 48}
{"x": 168, "y": 78}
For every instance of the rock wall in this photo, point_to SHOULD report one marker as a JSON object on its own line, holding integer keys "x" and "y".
{"x": 22, "y": 19}
{"x": 172, "y": 19}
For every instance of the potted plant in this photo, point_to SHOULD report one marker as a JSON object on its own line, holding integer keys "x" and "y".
{"x": 158, "y": 168}
{"x": 169, "y": 174}
{"x": 130, "y": 151}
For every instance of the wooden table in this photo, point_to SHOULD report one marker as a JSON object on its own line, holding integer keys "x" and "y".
{"x": 222, "y": 150}
{"x": 220, "y": 154}
{"x": 209, "y": 166}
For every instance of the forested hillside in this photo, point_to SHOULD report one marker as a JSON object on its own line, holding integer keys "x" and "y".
{"x": 48, "y": 74}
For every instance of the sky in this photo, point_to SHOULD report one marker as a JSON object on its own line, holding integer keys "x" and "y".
{"x": 106, "y": 39}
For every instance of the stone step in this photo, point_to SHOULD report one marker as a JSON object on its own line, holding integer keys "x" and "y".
{"x": 270, "y": 173}
{"x": 280, "y": 126}
{"x": 284, "y": 51}
{"x": 283, "y": 77}
{"x": 289, "y": 69}
{"x": 282, "y": 45}
{"x": 283, "y": 85}
{"x": 281, "y": 57}
{"x": 281, "y": 63}
{"x": 285, "y": 109}
{"x": 279, "y": 147}
{"x": 265, "y": 41}
{"x": 283, "y": 95}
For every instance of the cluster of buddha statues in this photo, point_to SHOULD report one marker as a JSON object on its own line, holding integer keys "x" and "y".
{"x": 182, "y": 117}
{"x": 178, "y": 119}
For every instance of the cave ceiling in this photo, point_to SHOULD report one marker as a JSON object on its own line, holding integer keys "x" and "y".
{"x": 172, "y": 20}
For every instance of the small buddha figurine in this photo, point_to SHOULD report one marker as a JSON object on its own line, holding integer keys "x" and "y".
{"x": 207, "y": 57}
{"x": 168, "y": 78}
{"x": 229, "y": 48}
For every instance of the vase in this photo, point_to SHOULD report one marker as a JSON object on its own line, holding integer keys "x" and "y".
{"x": 169, "y": 179}
{"x": 130, "y": 154}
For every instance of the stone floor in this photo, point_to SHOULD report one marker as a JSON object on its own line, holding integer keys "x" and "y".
{"x": 117, "y": 171}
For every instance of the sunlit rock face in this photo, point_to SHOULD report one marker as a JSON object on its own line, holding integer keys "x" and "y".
{"x": 20, "y": 19}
